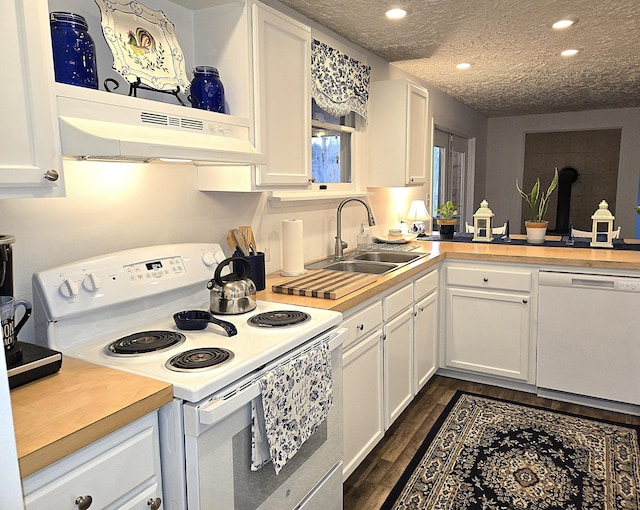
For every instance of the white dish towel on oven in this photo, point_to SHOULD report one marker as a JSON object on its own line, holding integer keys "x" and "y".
{"x": 296, "y": 398}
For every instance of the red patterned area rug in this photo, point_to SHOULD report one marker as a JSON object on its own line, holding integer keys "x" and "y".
{"x": 491, "y": 454}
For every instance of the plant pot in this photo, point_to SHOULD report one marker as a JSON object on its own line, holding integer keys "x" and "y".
{"x": 447, "y": 228}
{"x": 536, "y": 230}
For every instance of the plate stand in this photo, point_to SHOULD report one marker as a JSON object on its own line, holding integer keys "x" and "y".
{"x": 138, "y": 85}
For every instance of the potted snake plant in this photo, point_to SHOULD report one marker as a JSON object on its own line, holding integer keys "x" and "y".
{"x": 538, "y": 203}
{"x": 445, "y": 219}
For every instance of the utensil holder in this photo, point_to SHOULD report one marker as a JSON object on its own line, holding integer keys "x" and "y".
{"x": 256, "y": 269}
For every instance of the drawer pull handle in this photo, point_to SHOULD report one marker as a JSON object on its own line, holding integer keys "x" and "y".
{"x": 154, "y": 503}
{"x": 84, "y": 502}
{"x": 485, "y": 279}
{"x": 525, "y": 301}
{"x": 360, "y": 327}
{"x": 51, "y": 175}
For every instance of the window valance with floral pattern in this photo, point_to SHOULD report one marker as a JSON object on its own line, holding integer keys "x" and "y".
{"x": 340, "y": 84}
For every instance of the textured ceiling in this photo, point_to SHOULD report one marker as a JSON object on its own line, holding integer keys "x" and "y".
{"x": 515, "y": 55}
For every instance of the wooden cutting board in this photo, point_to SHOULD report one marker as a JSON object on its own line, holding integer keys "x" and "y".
{"x": 324, "y": 284}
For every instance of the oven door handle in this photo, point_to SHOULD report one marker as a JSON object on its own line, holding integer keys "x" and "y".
{"x": 218, "y": 409}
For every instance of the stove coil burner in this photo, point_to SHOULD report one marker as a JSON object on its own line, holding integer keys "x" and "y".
{"x": 145, "y": 342}
{"x": 279, "y": 319}
{"x": 199, "y": 359}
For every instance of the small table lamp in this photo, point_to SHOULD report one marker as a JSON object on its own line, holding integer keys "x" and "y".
{"x": 602, "y": 217}
{"x": 482, "y": 223}
{"x": 420, "y": 217}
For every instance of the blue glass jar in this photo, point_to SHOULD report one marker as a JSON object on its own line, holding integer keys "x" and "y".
{"x": 74, "y": 53}
{"x": 207, "y": 91}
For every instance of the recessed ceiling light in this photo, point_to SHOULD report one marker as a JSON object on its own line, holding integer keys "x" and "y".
{"x": 463, "y": 65}
{"x": 569, "y": 53}
{"x": 563, "y": 23}
{"x": 396, "y": 13}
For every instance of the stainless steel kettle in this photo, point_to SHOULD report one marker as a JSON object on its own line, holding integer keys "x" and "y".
{"x": 233, "y": 293}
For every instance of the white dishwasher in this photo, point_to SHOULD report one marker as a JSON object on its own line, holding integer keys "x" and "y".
{"x": 588, "y": 335}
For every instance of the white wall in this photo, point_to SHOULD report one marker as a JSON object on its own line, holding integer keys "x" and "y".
{"x": 505, "y": 159}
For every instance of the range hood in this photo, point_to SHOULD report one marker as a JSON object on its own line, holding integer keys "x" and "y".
{"x": 136, "y": 129}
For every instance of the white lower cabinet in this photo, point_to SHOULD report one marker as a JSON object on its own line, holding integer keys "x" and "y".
{"x": 119, "y": 471}
{"x": 425, "y": 330}
{"x": 398, "y": 352}
{"x": 390, "y": 353}
{"x": 398, "y": 361}
{"x": 488, "y": 314}
{"x": 363, "y": 424}
{"x": 362, "y": 380}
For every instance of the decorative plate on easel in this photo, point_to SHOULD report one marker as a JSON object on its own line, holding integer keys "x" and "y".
{"x": 144, "y": 45}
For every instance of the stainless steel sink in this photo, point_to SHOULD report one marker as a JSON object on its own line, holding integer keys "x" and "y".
{"x": 356, "y": 266}
{"x": 371, "y": 262}
{"x": 396, "y": 257}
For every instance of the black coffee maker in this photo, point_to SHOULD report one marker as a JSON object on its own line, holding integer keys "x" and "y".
{"x": 12, "y": 350}
{"x": 6, "y": 265}
{"x": 26, "y": 362}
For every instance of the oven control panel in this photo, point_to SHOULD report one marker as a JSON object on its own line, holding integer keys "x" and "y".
{"x": 154, "y": 269}
{"x": 141, "y": 273}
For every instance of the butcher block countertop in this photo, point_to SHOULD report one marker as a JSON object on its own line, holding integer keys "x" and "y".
{"x": 576, "y": 258}
{"x": 59, "y": 414}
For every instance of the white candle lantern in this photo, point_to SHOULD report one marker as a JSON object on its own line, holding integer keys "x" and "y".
{"x": 602, "y": 224}
{"x": 483, "y": 223}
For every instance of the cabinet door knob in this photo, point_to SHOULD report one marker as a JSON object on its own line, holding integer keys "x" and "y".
{"x": 84, "y": 502}
{"x": 485, "y": 279}
{"x": 525, "y": 301}
{"x": 360, "y": 327}
{"x": 51, "y": 175}
{"x": 154, "y": 503}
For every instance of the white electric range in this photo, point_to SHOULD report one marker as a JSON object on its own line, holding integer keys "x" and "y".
{"x": 85, "y": 308}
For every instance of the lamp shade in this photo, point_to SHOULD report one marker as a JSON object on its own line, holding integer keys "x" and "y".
{"x": 420, "y": 217}
{"x": 418, "y": 211}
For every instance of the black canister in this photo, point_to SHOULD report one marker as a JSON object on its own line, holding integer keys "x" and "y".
{"x": 207, "y": 91}
{"x": 74, "y": 53}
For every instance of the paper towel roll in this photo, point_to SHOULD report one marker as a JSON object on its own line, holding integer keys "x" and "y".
{"x": 292, "y": 252}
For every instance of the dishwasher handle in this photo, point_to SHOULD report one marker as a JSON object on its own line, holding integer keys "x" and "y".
{"x": 583, "y": 280}
{"x": 592, "y": 282}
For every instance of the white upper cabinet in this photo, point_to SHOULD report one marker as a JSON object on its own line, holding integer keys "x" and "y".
{"x": 262, "y": 141}
{"x": 282, "y": 74}
{"x": 30, "y": 161}
{"x": 398, "y": 134}
{"x": 281, "y": 65}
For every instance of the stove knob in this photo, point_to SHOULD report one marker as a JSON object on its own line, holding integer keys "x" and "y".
{"x": 209, "y": 259}
{"x": 91, "y": 282}
{"x": 69, "y": 288}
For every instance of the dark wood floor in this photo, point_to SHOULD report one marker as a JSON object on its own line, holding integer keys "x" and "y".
{"x": 372, "y": 481}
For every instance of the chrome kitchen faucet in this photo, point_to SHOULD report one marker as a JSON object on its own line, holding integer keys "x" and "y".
{"x": 340, "y": 244}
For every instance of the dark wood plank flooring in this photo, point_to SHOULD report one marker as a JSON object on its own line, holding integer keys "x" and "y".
{"x": 374, "y": 478}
